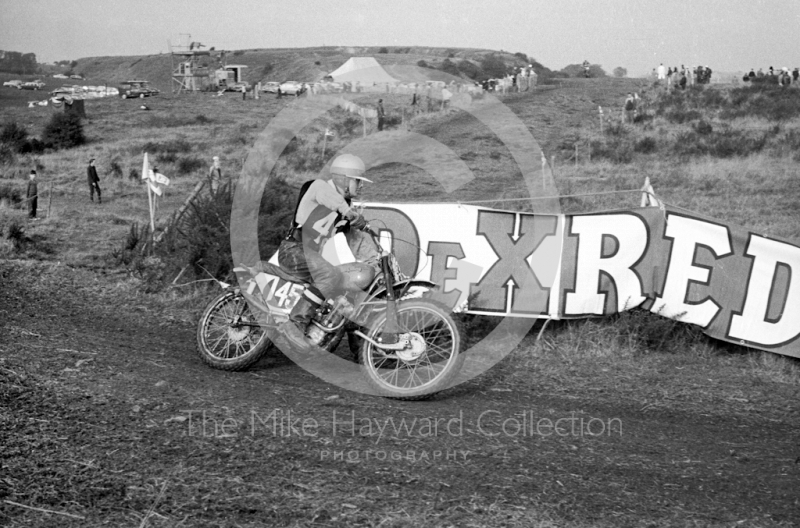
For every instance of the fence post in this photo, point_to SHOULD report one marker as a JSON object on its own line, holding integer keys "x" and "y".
{"x": 49, "y": 199}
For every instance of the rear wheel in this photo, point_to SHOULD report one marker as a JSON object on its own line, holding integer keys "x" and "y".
{"x": 228, "y": 334}
{"x": 427, "y": 365}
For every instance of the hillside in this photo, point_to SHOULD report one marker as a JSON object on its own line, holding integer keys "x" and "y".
{"x": 302, "y": 64}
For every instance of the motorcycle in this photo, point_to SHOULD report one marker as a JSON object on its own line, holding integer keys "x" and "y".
{"x": 408, "y": 345}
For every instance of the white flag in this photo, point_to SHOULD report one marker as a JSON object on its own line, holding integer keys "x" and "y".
{"x": 145, "y": 168}
{"x": 649, "y": 195}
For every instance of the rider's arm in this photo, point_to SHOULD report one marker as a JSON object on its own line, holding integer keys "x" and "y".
{"x": 328, "y": 196}
{"x": 320, "y": 193}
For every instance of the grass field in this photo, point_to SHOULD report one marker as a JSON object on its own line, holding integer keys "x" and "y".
{"x": 97, "y": 370}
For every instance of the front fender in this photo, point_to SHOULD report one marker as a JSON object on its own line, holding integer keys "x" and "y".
{"x": 403, "y": 286}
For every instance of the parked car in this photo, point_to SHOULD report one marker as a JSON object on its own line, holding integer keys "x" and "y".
{"x": 60, "y": 76}
{"x": 13, "y": 84}
{"x": 271, "y": 87}
{"x": 32, "y": 85}
{"x": 137, "y": 88}
{"x": 76, "y": 76}
{"x": 291, "y": 88}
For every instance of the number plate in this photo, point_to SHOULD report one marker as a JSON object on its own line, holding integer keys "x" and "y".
{"x": 277, "y": 292}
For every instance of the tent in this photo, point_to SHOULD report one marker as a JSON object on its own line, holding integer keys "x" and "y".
{"x": 365, "y": 70}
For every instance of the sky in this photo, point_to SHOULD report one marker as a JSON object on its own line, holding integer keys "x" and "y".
{"x": 638, "y": 35}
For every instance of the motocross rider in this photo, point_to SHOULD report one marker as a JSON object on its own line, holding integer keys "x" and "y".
{"x": 323, "y": 209}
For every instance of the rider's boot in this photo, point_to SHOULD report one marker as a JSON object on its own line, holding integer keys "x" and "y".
{"x": 299, "y": 318}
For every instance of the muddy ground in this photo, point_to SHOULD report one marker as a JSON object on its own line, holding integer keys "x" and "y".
{"x": 108, "y": 418}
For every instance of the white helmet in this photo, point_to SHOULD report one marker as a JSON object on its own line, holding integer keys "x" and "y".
{"x": 350, "y": 166}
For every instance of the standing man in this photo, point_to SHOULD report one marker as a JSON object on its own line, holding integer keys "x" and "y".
{"x": 94, "y": 181}
{"x": 630, "y": 108}
{"x": 381, "y": 114}
{"x": 32, "y": 195}
{"x": 215, "y": 175}
{"x": 244, "y": 93}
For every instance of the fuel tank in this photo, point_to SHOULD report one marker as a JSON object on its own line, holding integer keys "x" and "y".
{"x": 357, "y": 275}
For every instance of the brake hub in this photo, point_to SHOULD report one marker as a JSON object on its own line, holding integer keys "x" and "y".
{"x": 415, "y": 348}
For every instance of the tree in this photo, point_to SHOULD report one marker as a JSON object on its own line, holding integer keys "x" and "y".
{"x": 16, "y": 62}
{"x": 64, "y": 130}
{"x": 450, "y": 67}
{"x": 619, "y": 71}
{"x": 493, "y": 66}
{"x": 469, "y": 69}
{"x": 383, "y": 50}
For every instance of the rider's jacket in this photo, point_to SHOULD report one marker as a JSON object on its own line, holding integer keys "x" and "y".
{"x": 320, "y": 210}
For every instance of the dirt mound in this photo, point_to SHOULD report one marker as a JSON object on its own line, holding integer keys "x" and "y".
{"x": 299, "y": 64}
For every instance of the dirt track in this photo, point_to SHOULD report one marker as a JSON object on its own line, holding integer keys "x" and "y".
{"x": 106, "y": 411}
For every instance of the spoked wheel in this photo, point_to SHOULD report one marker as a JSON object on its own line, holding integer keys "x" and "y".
{"x": 424, "y": 367}
{"x": 229, "y": 336}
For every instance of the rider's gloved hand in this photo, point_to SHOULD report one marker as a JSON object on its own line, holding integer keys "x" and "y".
{"x": 359, "y": 222}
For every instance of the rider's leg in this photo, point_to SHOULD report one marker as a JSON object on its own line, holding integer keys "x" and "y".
{"x": 313, "y": 268}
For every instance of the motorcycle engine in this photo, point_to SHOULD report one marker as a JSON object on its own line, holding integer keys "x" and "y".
{"x": 328, "y": 319}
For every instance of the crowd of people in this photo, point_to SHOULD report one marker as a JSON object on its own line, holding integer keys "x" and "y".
{"x": 682, "y": 77}
{"x": 782, "y": 77}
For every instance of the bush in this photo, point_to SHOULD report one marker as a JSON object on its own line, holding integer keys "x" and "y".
{"x": 13, "y": 135}
{"x": 275, "y": 215}
{"x": 172, "y": 146}
{"x": 493, "y": 66}
{"x": 646, "y": 145}
{"x": 16, "y": 234}
{"x": 7, "y": 154}
{"x": 469, "y": 69}
{"x": 64, "y": 131}
{"x": 725, "y": 144}
{"x": 422, "y": 64}
{"x": 616, "y": 150}
{"x": 383, "y": 50}
{"x": 116, "y": 169}
{"x": 201, "y": 119}
{"x": 703, "y": 127}
{"x": 10, "y": 195}
{"x": 188, "y": 165}
{"x": 450, "y": 67}
{"x": 133, "y": 174}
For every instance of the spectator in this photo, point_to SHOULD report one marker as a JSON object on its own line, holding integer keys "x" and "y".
{"x": 32, "y": 195}
{"x": 446, "y": 95}
{"x": 661, "y": 72}
{"x": 381, "y": 115}
{"x": 682, "y": 81}
{"x": 795, "y": 74}
{"x": 94, "y": 181}
{"x": 630, "y": 108}
{"x": 214, "y": 175}
{"x": 244, "y": 92}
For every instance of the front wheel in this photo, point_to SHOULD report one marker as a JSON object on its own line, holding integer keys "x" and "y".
{"x": 427, "y": 365}
{"x": 229, "y": 336}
